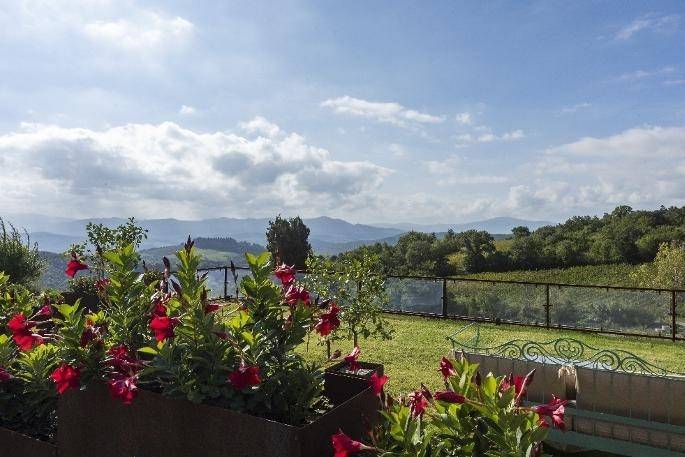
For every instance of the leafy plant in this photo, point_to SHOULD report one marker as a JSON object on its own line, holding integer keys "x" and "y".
{"x": 359, "y": 290}
{"x": 19, "y": 260}
{"x": 474, "y": 416}
{"x": 667, "y": 270}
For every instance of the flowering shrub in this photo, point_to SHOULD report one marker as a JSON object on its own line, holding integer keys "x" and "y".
{"x": 473, "y": 415}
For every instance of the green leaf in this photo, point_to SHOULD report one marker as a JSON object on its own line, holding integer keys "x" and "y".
{"x": 148, "y": 350}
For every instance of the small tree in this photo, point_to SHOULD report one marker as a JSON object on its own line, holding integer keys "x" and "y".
{"x": 667, "y": 270}
{"x": 102, "y": 238}
{"x": 288, "y": 241}
{"x": 19, "y": 260}
{"x": 359, "y": 289}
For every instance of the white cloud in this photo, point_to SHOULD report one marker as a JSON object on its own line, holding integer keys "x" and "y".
{"x": 464, "y": 118}
{"x": 644, "y": 74}
{"x": 388, "y": 112}
{"x": 146, "y": 30}
{"x": 397, "y": 150}
{"x": 675, "y": 82}
{"x": 450, "y": 172}
{"x": 187, "y": 110}
{"x": 651, "y": 22}
{"x": 156, "y": 169}
{"x": 262, "y": 126}
{"x": 574, "y": 108}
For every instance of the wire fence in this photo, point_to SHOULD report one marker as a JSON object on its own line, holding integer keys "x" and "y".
{"x": 633, "y": 311}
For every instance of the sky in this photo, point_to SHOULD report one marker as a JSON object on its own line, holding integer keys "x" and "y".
{"x": 382, "y": 111}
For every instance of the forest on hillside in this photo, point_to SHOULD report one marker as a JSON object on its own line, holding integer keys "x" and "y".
{"x": 622, "y": 236}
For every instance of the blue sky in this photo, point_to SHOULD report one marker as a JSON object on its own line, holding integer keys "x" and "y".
{"x": 370, "y": 111}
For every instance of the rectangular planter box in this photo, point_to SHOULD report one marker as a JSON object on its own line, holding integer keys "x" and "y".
{"x": 91, "y": 423}
{"x": 17, "y": 445}
{"x": 341, "y": 384}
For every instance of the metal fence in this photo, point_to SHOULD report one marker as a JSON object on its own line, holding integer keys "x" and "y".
{"x": 634, "y": 311}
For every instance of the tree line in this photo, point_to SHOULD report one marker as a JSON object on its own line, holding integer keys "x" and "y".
{"x": 622, "y": 236}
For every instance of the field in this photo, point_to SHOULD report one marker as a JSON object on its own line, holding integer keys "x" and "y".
{"x": 412, "y": 356}
{"x": 603, "y": 275}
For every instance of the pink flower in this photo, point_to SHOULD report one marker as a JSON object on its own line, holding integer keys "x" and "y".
{"x": 102, "y": 284}
{"x": 119, "y": 358}
{"x": 66, "y": 377}
{"x": 554, "y": 410}
{"x": 377, "y": 382}
{"x": 123, "y": 388}
{"x": 351, "y": 359}
{"x": 417, "y": 403}
{"x": 446, "y": 368}
{"x": 449, "y": 396}
{"x": 520, "y": 384}
{"x": 343, "y": 445}
{"x": 295, "y": 294}
{"x": 74, "y": 266}
{"x": 244, "y": 376}
{"x": 329, "y": 321}
{"x": 163, "y": 326}
{"x": 285, "y": 273}
{"x": 4, "y": 374}
{"x": 45, "y": 310}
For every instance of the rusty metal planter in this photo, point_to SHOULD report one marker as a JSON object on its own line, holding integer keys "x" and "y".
{"x": 17, "y": 445}
{"x": 91, "y": 423}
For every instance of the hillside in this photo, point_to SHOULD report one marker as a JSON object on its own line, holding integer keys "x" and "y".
{"x": 603, "y": 275}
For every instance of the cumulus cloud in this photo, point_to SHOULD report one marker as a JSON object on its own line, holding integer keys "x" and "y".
{"x": 574, "y": 108}
{"x": 387, "y": 112}
{"x": 261, "y": 126}
{"x": 649, "y": 22}
{"x": 464, "y": 118}
{"x": 489, "y": 137}
{"x": 154, "y": 169}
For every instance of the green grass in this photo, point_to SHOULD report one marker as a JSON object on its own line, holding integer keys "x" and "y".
{"x": 412, "y": 356}
{"x": 603, "y": 275}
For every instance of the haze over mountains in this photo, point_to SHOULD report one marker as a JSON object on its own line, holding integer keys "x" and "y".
{"x": 328, "y": 235}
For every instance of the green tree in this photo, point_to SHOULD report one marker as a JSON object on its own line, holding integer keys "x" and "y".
{"x": 288, "y": 241}
{"x": 667, "y": 270}
{"x": 19, "y": 260}
{"x": 477, "y": 247}
{"x": 359, "y": 289}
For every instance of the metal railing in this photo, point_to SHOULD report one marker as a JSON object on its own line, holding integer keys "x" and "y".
{"x": 633, "y": 311}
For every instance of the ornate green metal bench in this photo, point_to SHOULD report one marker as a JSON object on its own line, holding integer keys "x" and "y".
{"x": 623, "y": 404}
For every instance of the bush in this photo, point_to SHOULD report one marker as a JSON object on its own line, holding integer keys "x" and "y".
{"x": 18, "y": 260}
{"x": 474, "y": 415}
{"x": 667, "y": 270}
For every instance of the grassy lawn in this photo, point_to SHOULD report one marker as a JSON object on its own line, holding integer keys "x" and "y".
{"x": 412, "y": 356}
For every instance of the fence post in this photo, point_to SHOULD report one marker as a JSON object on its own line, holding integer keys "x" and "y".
{"x": 444, "y": 297}
{"x": 547, "y": 305}
{"x": 674, "y": 330}
{"x": 226, "y": 283}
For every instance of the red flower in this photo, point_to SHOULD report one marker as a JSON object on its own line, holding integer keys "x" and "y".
{"x": 212, "y": 307}
{"x": 121, "y": 361}
{"x": 329, "y": 321}
{"x": 446, "y": 368}
{"x": 21, "y": 332}
{"x": 4, "y": 375}
{"x": 244, "y": 376}
{"x": 124, "y": 389}
{"x": 45, "y": 310}
{"x": 295, "y": 294}
{"x": 520, "y": 384}
{"x": 74, "y": 266}
{"x": 163, "y": 326}
{"x": 377, "y": 382}
{"x": 343, "y": 445}
{"x": 285, "y": 273}
{"x": 554, "y": 410}
{"x": 66, "y": 377}
{"x": 351, "y": 359}
{"x": 417, "y": 403}
{"x": 449, "y": 396}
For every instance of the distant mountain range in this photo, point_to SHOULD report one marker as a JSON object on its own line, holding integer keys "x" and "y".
{"x": 328, "y": 235}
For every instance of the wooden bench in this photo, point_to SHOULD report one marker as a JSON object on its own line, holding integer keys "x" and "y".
{"x": 620, "y": 403}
